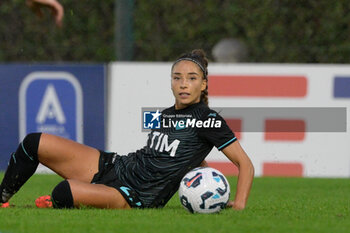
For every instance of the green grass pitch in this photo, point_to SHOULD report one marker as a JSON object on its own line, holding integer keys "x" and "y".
{"x": 275, "y": 205}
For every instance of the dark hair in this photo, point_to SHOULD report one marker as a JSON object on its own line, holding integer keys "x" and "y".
{"x": 197, "y": 56}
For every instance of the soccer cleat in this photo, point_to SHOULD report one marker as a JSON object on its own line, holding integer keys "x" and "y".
{"x": 43, "y": 202}
{"x": 5, "y": 195}
{"x": 5, "y": 205}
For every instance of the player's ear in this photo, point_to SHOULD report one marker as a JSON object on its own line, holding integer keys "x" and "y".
{"x": 204, "y": 84}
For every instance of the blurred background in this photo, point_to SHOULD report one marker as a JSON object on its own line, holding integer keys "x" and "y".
{"x": 272, "y": 31}
{"x": 81, "y": 78}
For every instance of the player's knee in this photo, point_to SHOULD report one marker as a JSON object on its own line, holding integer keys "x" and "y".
{"x": 62, "y": 196}
{"x": 30, "y": 145}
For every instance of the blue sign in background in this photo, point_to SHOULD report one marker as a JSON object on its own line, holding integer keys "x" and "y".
{"x": 92, "y": 79}
{"x": 51, "y": 106}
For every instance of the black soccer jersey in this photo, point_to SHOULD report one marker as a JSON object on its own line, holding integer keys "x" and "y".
{"x": 183, "y": 141}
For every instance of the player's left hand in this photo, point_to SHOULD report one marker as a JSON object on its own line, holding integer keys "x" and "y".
{"x": 235, "y": 205}
{"x": 56, "y": 9}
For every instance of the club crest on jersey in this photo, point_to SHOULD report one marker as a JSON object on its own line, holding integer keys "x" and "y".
{"x": 151, "y": 119}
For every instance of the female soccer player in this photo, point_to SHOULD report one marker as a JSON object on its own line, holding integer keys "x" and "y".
{"x": 148, "y": 177}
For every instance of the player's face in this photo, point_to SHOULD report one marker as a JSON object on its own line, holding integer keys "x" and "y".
{"x": 187, "y": 83}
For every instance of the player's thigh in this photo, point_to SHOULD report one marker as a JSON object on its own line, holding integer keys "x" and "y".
{"x": 68, "y": 158}
{"x": 96, "y": 195}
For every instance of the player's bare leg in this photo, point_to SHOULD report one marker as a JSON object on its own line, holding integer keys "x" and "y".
{"x": 69, "y": 159}
{"x": 96, "y": 195}
{"x": 78, "y": 164}
{"x": 75, "y": 193}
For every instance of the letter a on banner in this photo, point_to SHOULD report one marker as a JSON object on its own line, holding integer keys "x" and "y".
{"x": 51, "y": 102}
{"x": 50, "y": 107}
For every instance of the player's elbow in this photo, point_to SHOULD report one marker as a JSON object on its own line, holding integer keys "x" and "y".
{"x": 251, "y": 169}
{"x": 248, "y": 167}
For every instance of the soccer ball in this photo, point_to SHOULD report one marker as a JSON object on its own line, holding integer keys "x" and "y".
{"x": 204, "y": 190}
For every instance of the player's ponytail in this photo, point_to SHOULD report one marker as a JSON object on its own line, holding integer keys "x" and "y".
{"x": 198, "y": 56}
{"x": 204, "y": 95}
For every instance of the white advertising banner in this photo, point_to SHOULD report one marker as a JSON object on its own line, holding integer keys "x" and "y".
{"x": 290, "y": 119}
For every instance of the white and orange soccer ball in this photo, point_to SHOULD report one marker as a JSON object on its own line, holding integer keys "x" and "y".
{"x": 204, "y": 190}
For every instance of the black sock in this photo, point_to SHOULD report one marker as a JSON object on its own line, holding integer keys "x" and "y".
{"x": 23, "y": 163}
{"x": 62, "y": 196}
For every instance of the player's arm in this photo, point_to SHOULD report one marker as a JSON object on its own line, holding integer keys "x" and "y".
{"x": 237, "y": 155}
{"x": 55, "y": 6}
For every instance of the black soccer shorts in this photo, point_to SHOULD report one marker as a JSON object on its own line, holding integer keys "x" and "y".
{"x": 106, "y": 175}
